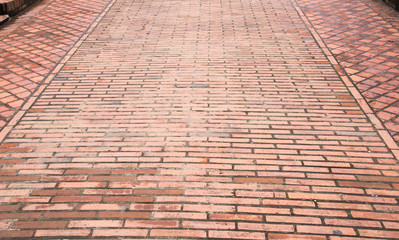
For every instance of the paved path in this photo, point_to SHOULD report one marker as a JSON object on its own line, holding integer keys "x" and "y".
{"x": 364, "y": 38}
{"x": 33, "y": 44}
{"x": 198, "y": 119}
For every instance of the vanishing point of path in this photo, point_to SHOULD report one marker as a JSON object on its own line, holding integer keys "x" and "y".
{"x": 195, "y": 119}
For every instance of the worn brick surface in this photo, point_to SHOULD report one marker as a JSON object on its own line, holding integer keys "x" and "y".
{"x": 363, "y": 35}
{"x": 33, "y": 44}
{"x": 198, "y": 119}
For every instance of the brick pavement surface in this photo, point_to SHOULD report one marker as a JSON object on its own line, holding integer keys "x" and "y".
{"x": 33, "y": 44}
{"x": 364, "y": 37}
{"x": 198, "y": 119}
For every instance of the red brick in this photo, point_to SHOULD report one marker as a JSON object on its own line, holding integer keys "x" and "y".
{"x": 208, "y": 208}
{"x": 182, "y": 199}
{"x": 378, "y": 233}
{"x": 177, "y": 233}
{"x": 158, "y": 191}
{"x": 208, "y": 225}
{"x": 9, "y": 208}
{"x": 16, "y": 234}
{"x": 258, "y": 180}
{"x": 391, "y": 225}
{"x": 211, "y": 192}
{"x": 126, "y": 232}
{"x": 378, "y": 179}
{"x": 55, "y": 192}
{"x": 335, "y": 205}
{"x": 230, "y": 200}
{"x": 319, "y": 212}
{"x": 266, "y": 227}
{"x": 352, "y": 223}
{"x": 338, "y": 190}
{"x": 236, "y": 217}
{"x": 278, "y": 236}
{"x": 76, "y": 199}
{"x": 105, "y": 191}
{"x": 314, "y": 196}
{"x": 39, "y": 224}
{"x": 236, "y": 235}
{"x": 183, "y": 215}
{"x": 81, "y": 184}
{"x": 375, "y": 215}
{"x": 99, "y": 206}
{"x": 292, "y": 219}
{"x": 95, "y": 223}
{"x": 62, "y": 232}
{"x": 368, "y": 199}
{"x": 325, "y": 230}
{"x": 48, "y": 207}
{"x": 122, "y": 215}
{"x": 68, "y": 215}
{"x": 131, "y": 199}
{"x": 5, "y": 225}
{"x": 155, "y": 207}
{"x": 263, "y": 210}
{"x": 279, "y": 202}
{"x": 152, "y": 224}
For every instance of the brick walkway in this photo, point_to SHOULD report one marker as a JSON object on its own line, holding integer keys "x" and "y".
{"x": 32, "y": 46}
{"x": 364, "y": 37}
{"x": 198, "y": 119}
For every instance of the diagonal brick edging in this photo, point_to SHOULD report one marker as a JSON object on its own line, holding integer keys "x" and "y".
{"x": 26, "y": 106}
{"x": 381, "y": 129}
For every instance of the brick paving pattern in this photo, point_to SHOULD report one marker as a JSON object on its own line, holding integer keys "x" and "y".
{"x": 364, "y": 37}
{"x": 32, "y": 47}
{"x": 198, "y": 119}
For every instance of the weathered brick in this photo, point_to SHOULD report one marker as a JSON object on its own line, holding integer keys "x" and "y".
{"x": 177, "y": 233}
{"x": 185, "y": 119}
{"x": 152, "y": 224}
{"x": 95, "y": 223}
{"x": 236, "y": 217}
{"x": 236, "y": 235}
{"x": 278, "y": 236}
{"x": 124, "y": 214}
{"x": 208, "y": 225}
{"x": 39, "y": 224}
{"x": 325, "y": 230}
{"x": 16, "y": 234}
{"x": 62, "y": 232}
{"x": 120, "y": 232}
